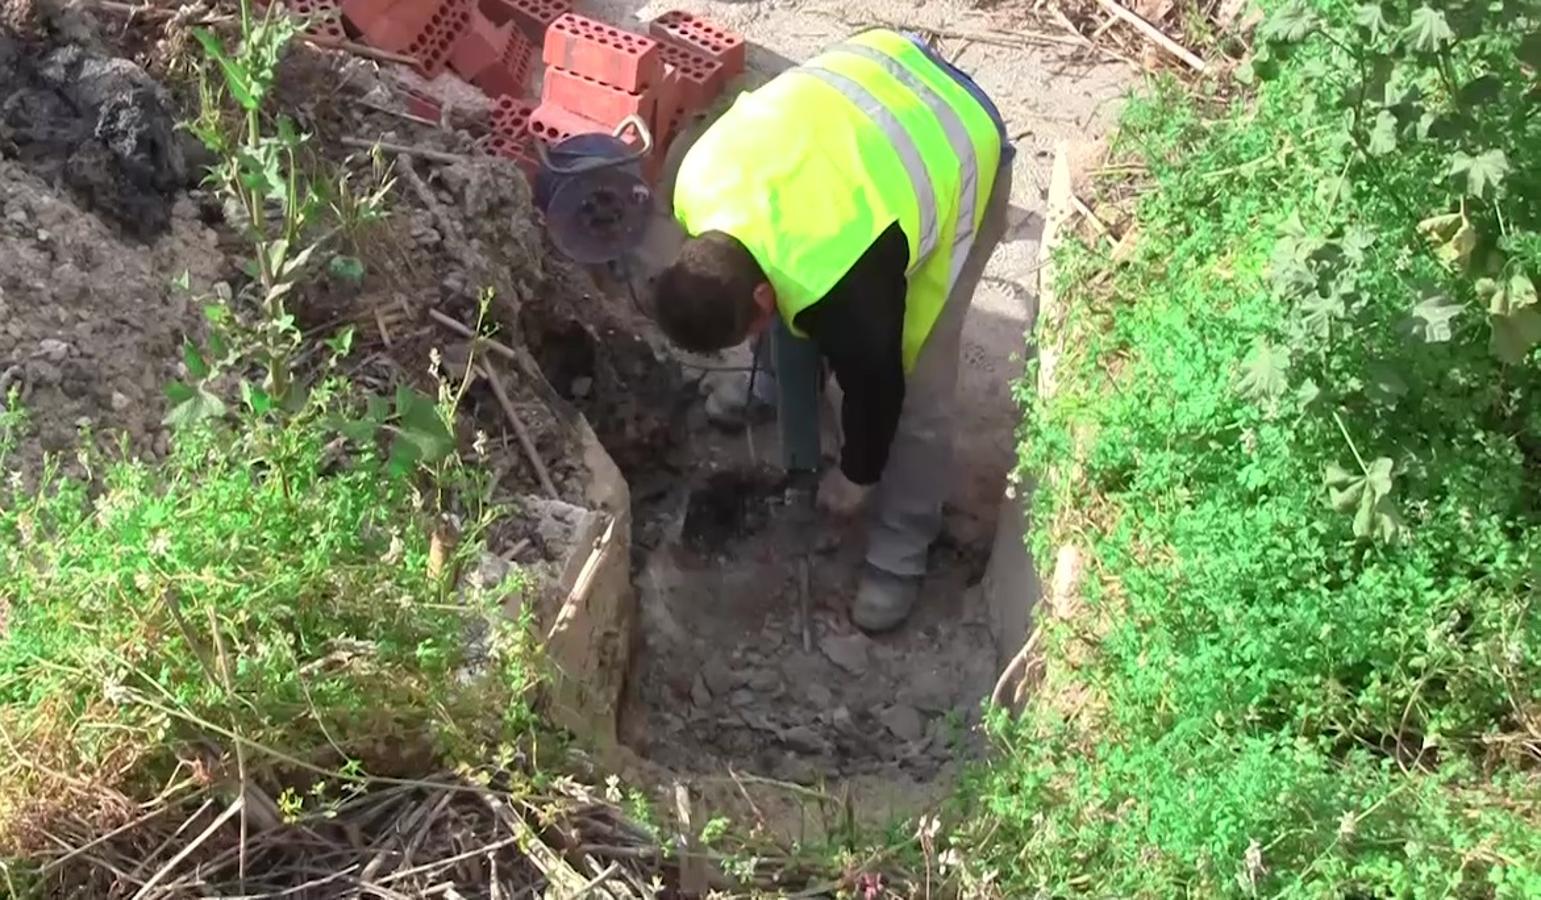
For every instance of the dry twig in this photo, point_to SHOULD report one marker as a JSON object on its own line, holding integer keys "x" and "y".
{"x": 407, "y": 150}
{"x": 1154, "y": 34}
{"x": 489, "y": 372}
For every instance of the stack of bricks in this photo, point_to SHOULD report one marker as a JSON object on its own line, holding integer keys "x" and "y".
{"x": 700, "y": 58}
{"x": 595, "y": 75}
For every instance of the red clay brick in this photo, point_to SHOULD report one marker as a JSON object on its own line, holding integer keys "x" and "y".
{"x": 595, "y": 100}
{"x": 532, "y": 17}
{"x": 553, "y": 124}
{"x": 511, "y": 76}
{"x": 697, "y": 33}
{"x": 591, "y": 48}
{"x": 482, "y": 45}
{"x": 324, "y": 17}
{"x": 390, "y": 24}
{"x": 702, "y": 78}
{"x": 511, "y": 116}
{"x": 423, "y": 106}
{"x": 433, "y": 46}
{"x": 519, "y": 149}
{"x": 667, "y": 112}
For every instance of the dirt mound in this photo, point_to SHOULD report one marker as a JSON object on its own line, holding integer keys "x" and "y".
{"x": 99, "y": 126}
{"x": 90, "y": 324}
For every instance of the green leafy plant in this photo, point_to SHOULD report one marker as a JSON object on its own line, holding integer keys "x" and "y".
{"x": 1296, "y": 435}
{"x": 1432, "y": 103}
{"x": 291, "y": 213}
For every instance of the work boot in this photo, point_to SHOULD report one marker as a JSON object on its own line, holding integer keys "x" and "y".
{"x": 884, "y": 599}
{"x": 729, "y": 405}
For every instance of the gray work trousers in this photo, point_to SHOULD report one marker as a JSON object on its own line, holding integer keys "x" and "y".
{"x": 905, "y": 515}
{"x": 905, "y": 512}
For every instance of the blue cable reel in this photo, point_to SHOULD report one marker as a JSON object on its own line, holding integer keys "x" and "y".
{"x": 590, "y": 187}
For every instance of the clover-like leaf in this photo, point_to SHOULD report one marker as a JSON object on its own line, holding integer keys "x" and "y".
{"x": 1368, "y": 495}
{"x": 1319, "y": 312}
{"x": 1383, "y": 134}
{"x": 196, "y": 405}
{"x": 1355, "y": 241}
{"x": 1483, "y": 172}
{"x": 1430, "y": 320}
{"x": 1384, "y": 384}
{"x": 1428, "y": 32}
{"x": 1372, "y": 18}
{"x": 1265, "y": 371}
{"x": 1290, "y": 23}
{"x": 1308, "y": 393}
{"x": 1515, "y": 335}
{"x": 1482, "y": 89}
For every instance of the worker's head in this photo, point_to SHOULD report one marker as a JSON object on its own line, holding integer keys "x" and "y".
{"x": 714, "y": 295}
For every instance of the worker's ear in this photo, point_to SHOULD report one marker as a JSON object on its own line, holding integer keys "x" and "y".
{"x": 764, "y": 308}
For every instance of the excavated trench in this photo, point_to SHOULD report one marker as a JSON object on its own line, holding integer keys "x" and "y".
{"x": 721, "y": 677}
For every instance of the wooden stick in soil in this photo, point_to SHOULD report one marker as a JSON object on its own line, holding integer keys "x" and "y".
{"x": 805, "y": 603}
{"x": 185, "y": 852}
{"x": 489, "y": 343}
{"x": 489, "y": 372}
{"x": 1154, "y": 34}
{"x": 406, "y": 150}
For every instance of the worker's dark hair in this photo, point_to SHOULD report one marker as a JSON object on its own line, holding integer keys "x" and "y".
{"x": 705, "y": 301}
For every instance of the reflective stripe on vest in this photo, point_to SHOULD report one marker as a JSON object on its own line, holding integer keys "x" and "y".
{"x": 904, "y": 145}
{"x": 957, "y": 136}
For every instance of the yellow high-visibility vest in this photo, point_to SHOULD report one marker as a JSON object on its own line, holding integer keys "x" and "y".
{"x": 810, "y": 169}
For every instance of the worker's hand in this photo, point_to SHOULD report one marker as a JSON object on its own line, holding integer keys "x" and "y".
{"x": 839, "y": 495}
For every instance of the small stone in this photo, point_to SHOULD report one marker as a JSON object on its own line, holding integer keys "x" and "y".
{"x": 700, "y": 694}
{"x": 53, "y": 350}
{"x": 818, "y": 695}
{"x": 764, "y": 680}
{"x": 796, "y": 769}
{"x": 719, "y": 677}
{"x": 43, "y": 374}
{"x": 44, "y": 236}
{"x": 849, "y": 652}
{"x": 582, "y": 386}
{"x": 930, "y": 691}
{"x": 904, "y": 721}
{"x": 802, "y": 739}
{"x": 742, "y": 697}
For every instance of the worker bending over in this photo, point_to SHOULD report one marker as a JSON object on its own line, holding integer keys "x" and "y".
{"x": 853, "y": 201}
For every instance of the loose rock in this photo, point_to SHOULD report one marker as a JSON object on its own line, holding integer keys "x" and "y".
{"x": 818, "y": 695}
{"x": 700, "y": 694}
{"x": 849, "y": 652}
{"x": 719, "y": 678}
{"x": 904, "y": 721}
{"x": 804, "y": 739}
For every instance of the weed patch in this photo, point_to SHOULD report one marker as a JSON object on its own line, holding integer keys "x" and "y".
{"x": 1318, "y": 458}
{"x": 253, "y": 590}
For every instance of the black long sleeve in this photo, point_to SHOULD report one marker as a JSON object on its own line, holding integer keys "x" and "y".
{"x": 859, "y": 327}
